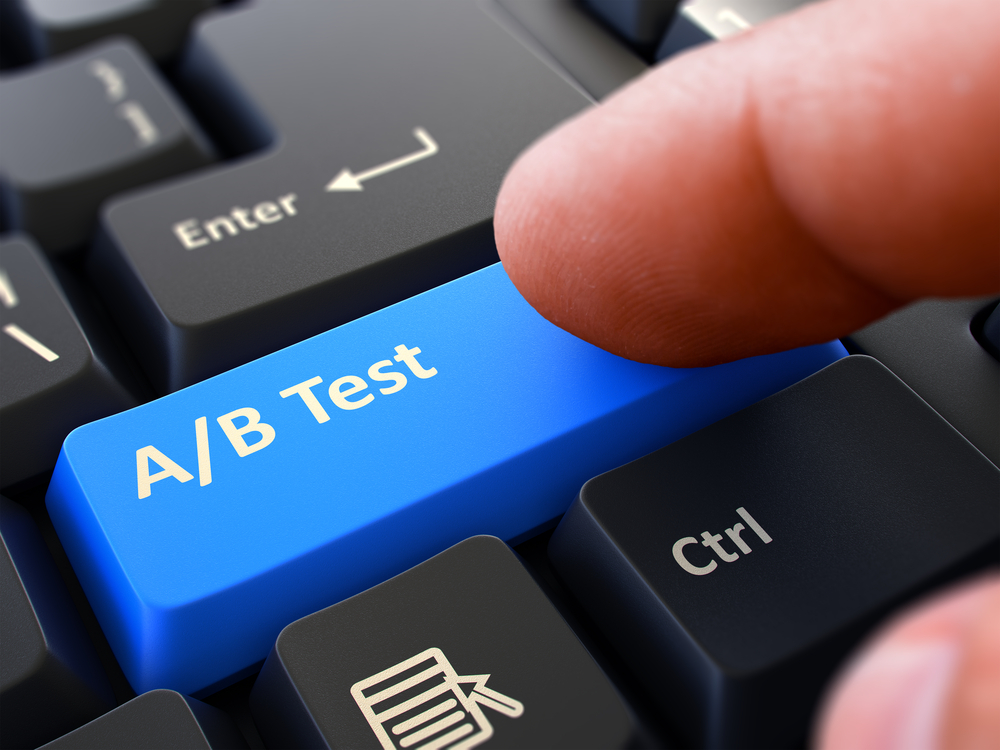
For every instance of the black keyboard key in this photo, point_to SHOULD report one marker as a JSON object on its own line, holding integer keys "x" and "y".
{"x": 700, "y": 21}
{"x": 157, "y": 720}
{"x": 430, "y": 101}
{"x": 991, "y": 332}
{"x": 53, "y": 378}
{"x": 931, "y": 347}
{"x": 50, "y": 678}
{"x": 734, "y": 568}
{"x": 461, "y": 649}
{"x": 79, "y": 129}
{"x": 52, "y": 27}
{"x": 15, "y": 47}
{"x": 568, "y": 37}
{"x": 640, "y": 22}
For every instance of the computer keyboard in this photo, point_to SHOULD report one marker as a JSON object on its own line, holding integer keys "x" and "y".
{"x": 254, "y": 242}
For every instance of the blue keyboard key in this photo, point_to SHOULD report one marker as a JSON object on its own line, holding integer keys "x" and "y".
{"x": 202, "y": 523}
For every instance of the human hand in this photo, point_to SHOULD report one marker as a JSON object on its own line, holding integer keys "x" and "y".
{"x": 783, "y": 188}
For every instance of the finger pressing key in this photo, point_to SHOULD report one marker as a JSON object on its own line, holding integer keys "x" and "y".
{"x": 763, "y": 192}
{"x": 328, "y": 455}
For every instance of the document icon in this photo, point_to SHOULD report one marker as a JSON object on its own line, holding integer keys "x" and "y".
{"x": 420, "y": 703}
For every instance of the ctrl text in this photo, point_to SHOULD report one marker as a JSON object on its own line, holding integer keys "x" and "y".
{"x": 714, "y": 542}
{"x": 192, "y": 233}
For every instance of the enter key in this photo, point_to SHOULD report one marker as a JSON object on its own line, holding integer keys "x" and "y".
{"x": 382, "y": 132}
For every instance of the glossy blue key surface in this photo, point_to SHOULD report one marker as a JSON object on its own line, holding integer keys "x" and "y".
{"x": 202, "y": 523}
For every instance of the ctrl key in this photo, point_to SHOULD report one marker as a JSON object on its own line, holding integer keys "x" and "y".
{"x": 735, "y": 568}
{"x": 460, "y": 650}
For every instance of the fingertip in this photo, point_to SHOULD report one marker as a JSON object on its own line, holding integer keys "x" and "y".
{"x": 648, "y": 226}
{"x": 899, "y": 692}
{"x": 698, "y": 217}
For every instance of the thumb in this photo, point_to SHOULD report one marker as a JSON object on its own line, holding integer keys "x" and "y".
{"x": 931, "y": 680}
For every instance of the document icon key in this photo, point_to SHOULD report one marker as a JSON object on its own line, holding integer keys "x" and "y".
{"x": 462, "y": 651}
{"x": 423, "y": 703}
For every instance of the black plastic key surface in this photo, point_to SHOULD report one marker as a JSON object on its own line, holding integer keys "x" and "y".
{"x": 931, "y": 346}
{"x": 641, "y": 23}
{"x": 51, "y": 377}
{"x": 50, "y": 678}
{"x": 157, "y": 720}
{"x": 567, "y": 34}
{"x": 77, "y": 130}
{"x": 990, "y": 338}
{"x": 461, "y": 649}
{"x": 734, "y": 568}
{"x": 394, "y": 123}
{"x": 52, "y": 27}
{"x": 700, "y": 21}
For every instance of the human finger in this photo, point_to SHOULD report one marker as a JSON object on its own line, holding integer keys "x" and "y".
{"x": 932, "y": 679}
{"x": 777, "y": 189}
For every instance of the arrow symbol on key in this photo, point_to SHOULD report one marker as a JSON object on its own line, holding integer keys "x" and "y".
{"x": 347, "y": 180}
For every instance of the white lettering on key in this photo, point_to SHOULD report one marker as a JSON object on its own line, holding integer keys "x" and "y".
{"x": 242, "y": 215}
{"x": 235, "y": 434}
{"x": 756, "y": 527}
{"x": 691, "y": 568}
{"x": 204, "y": 457}
{"x": 111, "y": 77}
{"x": 734, "y": 534}
{"x": 212, "y": 227}
{"x": 188, "y": 233}
{"x": 191, "y": 233}
{"x": 304, "y": 391}
{"x": 343, "y": 387}
{"x": 286, "y": 202}
{"x": 268, "y": 213}
{"x": 339, "y": 396}
{"x": 408, "y": 357}
{"x": 169, "y": 469}
{"x": 145, "y": 131}
{"x": 376, "y": 374}
{"x": 7, "y": 294}
{"x": 26, "y": 339}
{"x": 712, "y": 541}
{"x": 730, "y": 15}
